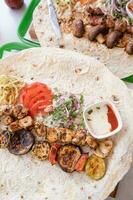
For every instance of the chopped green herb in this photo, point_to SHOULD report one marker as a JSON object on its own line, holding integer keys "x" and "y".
{"x": 98, "y": 108}
{"x": 90, "y": 111}
{"x": 81, "y": 99}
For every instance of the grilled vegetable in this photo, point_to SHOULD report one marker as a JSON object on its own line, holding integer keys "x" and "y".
{"x": 41, "y": 150}
{"x": 95, "y": 167}
{"x": 4, "y": 139}
{"x": 68, "y": 155}
{"x": 53, "y": 153}
{"x": 21, "y": 142}
{"x": 81, "y": 163}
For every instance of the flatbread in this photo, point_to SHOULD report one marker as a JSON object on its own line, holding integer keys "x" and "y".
{"x": 116, "y": 59}
{"x": 30, "y": 179}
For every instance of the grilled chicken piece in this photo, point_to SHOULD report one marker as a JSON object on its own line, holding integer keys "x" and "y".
{"x": 40, "y": 130}
{"x": 4, "y": 139}
{"x": 6, "y": 120}
{"x": 79, "y": 138}
{"x": 25, "y": 122}
{"x": 65, "y": 135}
{"x": 5, "y": 110}
{"x": 19, "y": 111}
{"x": 52, "y": 135}
{"x": 91, "y": 142}
{"x": 14, "y": 126}
{"x": 41, "y": 150}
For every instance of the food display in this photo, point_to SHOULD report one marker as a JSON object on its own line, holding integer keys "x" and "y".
{"x": 44, "y": 138}
{"x": 101, "y": 28}
{"x": 61, "y": 135}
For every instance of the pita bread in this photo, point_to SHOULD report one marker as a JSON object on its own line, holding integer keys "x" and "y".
{"x": 31, "y": 179}
{"x": 118, "y": 61}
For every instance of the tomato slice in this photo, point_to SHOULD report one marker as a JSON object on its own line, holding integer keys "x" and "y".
{"x": 79, "y": 167}
{"x": 36, "y": 97}
{"x": 53, "y": 153}
{"x": 35, "y": 108}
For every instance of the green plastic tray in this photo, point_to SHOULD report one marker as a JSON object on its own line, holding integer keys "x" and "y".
{"x": 13, "y": 46}
{"x": 26, "y": 22}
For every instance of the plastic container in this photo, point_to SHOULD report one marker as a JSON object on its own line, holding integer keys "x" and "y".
{"x": 97, "y": 106}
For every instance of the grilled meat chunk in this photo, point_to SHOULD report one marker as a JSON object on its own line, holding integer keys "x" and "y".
{"x": 91, "y": 142}
{"x": 6, "y": 120}
{"x": 14, "y": 126}
{"x": 52, "y": 135}
{"x": 113, "y": 38}
{"x": 40, "y": 130}
{"x": 79, "y": 138}
{"x": 25, "y": 122}
{"x": 120, "y": 25}
{"x": 19, "y": 111}
{"x": 65, "y": 135}
{"x": 78, "y": 28}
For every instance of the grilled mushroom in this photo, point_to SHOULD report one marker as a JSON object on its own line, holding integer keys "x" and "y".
{"x": 21, "y": 142}
{"x": 129, "y": 48}
{"x": 68, "y": 155}
{"x": 113, "y": 38}
{"x": 104, "y": 148}
{"x": 95, "y": 31}
{"x": 41, "y": 150}
{"x": 78, "y": 28}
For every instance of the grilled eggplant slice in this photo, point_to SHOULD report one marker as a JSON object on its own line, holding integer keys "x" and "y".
{"x": 41, "y": 150}
{"x": 95, "y": 167}
{"x": 21, "y": 142}
{"x": 68, "y": 156}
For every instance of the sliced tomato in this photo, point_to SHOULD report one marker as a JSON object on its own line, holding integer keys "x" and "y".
{"x": 35, "y": 108}
{"x": 36, "y": 97}
{"x": 53, "y": 153}
{"x": 79, "y": 167}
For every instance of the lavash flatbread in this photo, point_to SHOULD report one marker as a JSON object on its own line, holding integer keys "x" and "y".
{"x": 116, "y": 59}
{"x": 25, "y": 177}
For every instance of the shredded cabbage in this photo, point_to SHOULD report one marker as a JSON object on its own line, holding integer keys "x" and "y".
{"x": 9, "y": 89}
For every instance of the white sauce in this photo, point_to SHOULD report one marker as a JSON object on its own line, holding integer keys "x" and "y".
{"x": 98, "y": 120}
